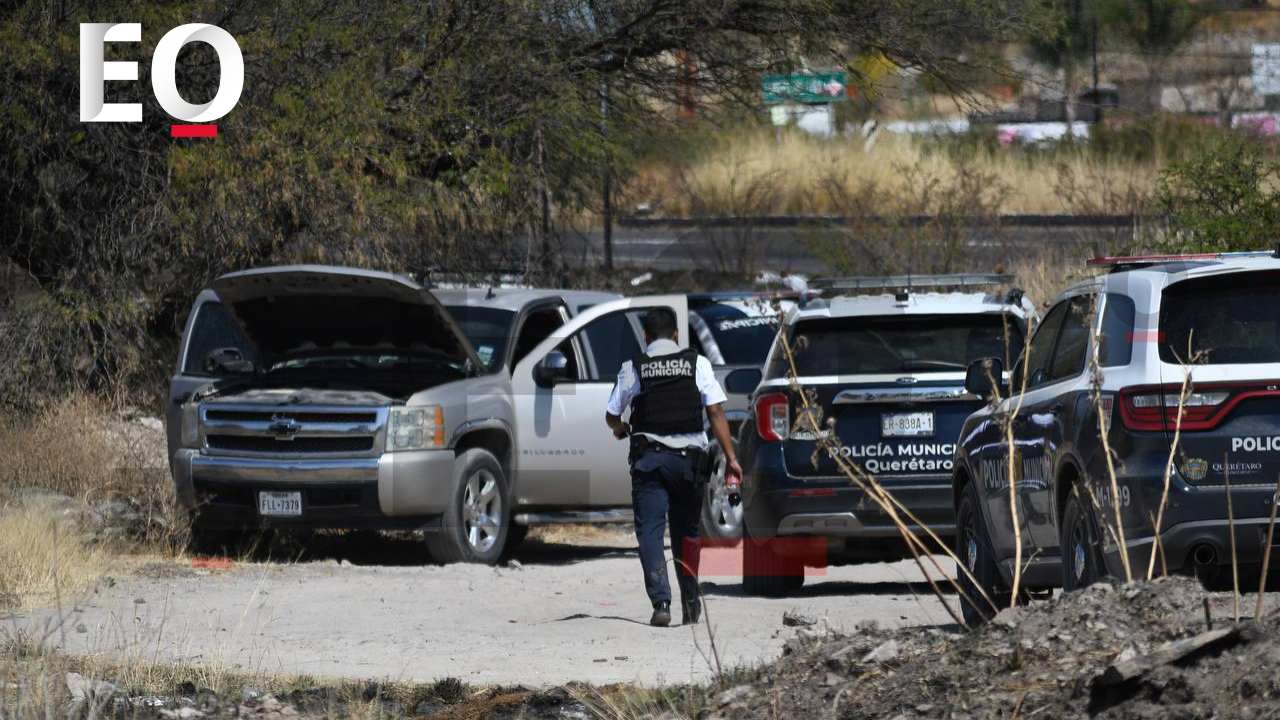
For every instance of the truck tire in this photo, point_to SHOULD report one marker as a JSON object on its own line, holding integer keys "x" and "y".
{"x": 720, "y": 520}
{"x": 1082, "y": 563}
{"x": 475, "y": 523}
{"x": 764, "y": 572}
{"x": 973, "y": 547}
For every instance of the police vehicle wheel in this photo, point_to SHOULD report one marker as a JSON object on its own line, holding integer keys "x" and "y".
{"x": 475, "y": 523}
{"x": 1081, "y": 554}
{"x": 764, "y": 572}
{"x": 720, "y": 518}
{"x": 973, "y": 547}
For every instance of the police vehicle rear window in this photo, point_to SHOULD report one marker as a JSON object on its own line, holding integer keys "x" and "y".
{"x": 743, "y": 338}
{"x": 916, "y": 343}
{"x": 1227, "y": 319}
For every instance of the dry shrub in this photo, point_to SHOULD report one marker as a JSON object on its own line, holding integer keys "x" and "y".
{"x": 49, "y": 547}
{"x": 1043, "y": 276}
{"x": 81, "y": 449}
{"x": 801, "y": 167}
{"x": 44, "y": 559}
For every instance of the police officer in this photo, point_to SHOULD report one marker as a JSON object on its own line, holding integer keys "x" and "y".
{"x": 667, "y": 390}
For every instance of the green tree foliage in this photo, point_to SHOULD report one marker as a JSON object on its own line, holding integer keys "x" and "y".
{"x": 402, "y": 135}
{"x": 1223, "y": 199}
{"x": 1153, "y": 27}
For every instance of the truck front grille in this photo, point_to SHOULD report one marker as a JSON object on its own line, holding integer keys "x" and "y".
{"x": 292, "y": 431}
{"x": 259, "y": 444}
{"x": 303, "y": 416}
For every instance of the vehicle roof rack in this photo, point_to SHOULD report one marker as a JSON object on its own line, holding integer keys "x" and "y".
{"x": 1133, "y": 261}
{"x": 911, "y": 282}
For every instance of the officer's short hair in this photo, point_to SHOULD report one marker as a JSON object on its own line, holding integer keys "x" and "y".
{"x": 660, "y": 323}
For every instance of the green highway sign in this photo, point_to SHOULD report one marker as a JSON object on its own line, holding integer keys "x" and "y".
{"x": 805, "y": 88}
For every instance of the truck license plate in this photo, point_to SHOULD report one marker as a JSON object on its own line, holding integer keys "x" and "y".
{"x": 280, "y": 503}
{"x": 914, "y": 424}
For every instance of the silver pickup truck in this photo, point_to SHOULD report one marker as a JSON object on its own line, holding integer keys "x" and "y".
{"x": 325, "y": 397}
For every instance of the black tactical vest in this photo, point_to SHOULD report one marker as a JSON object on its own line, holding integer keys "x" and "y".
{"x": 669, "y": 402}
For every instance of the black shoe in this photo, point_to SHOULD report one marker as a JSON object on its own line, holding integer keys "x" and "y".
{"x": 661, "y": 614}
{"x": 691, "y": 612}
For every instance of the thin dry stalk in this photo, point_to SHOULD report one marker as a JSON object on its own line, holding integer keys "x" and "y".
{"x": 1158, "y": 522}
{"x": 706, "y": 610}
{"x": 1104, "y": 432}
{"x": 1012, "y": 460}
{"x": 1231, "y": 528}
{"x": 1173, "y": 449}
{"x": 1266, "y": 553}
{"x": 1159, "y": 548}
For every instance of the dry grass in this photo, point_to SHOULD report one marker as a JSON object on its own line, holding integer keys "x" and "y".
{"x": 585, "y": 534}
{"x": 78, "y": 449}
{"x": 747, "y": 172}
{"x": 43, "y": 559}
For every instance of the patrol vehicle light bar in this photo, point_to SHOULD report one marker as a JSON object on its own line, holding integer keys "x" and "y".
{"x": 1120, "y": 261}
{"x": 895, "y": 282}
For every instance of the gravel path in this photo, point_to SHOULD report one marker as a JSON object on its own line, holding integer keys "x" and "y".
{"x": 561, "y": 612}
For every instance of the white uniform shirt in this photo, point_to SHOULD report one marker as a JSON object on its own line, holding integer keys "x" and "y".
{"x": 628, "y": 386}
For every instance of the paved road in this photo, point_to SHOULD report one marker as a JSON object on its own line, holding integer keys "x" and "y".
{"x": 666, "y": 248}
{"x": 566, "y": 612}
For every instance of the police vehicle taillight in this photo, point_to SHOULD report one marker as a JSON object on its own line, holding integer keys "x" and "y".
{"x": 773, "y": 416}
{"x": 1155, "y": 407}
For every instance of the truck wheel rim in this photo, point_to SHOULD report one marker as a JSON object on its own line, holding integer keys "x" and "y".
{"x": 481, "y": 511}
{"x": 726, "y": 517}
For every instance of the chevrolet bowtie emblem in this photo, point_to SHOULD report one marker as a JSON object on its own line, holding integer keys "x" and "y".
{"x": 284, "y": 428}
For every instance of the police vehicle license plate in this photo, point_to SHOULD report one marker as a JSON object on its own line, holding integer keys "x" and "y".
{"x": 906, "y": 424}
{"x": 280, "y": 503}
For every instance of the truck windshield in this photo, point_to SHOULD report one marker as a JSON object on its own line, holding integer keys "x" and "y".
{"x": 903, "y": 344}
{"x": 488, "y": 329}
{"x": 1227, "y": 319}
{"x": 744, "y": 337}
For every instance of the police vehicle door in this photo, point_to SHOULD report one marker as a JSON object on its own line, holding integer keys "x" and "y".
{"x": 1039, "y": 428}
{"x": 567, "y": 456}
{"x": 1031, "y": 373}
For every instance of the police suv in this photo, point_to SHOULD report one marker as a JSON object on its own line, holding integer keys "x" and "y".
{"x": 1148, "y": 322}
{"x": 887, "y": 370}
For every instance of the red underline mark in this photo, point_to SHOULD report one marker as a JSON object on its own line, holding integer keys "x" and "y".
{"x": 194, "y": 130}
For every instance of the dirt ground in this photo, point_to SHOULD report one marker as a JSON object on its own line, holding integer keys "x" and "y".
{"x": 1140, "y": 652}
{"x": 373, "y": 608}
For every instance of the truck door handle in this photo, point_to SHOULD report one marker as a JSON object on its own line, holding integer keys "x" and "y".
{"x": 1057, "y": 408}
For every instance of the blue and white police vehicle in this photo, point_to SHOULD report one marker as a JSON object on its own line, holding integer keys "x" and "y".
{"x": 1111, "y": 356}
{"x": 885, "y": 359}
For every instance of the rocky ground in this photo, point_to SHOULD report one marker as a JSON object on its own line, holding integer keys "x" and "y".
{"x": 1138, "y": 651}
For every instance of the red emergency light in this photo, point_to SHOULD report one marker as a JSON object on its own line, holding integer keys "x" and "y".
{"x": 1112, "y": 262}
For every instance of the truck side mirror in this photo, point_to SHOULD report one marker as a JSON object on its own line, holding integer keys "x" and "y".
{"x": 742, "y": 381}
{"x": 554, "y": 368}
{"x": 979, "y": 377}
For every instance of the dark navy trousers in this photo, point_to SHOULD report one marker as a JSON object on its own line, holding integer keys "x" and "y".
{"x": 666, "y": 491}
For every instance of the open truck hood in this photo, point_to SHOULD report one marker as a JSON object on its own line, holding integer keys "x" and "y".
{"x": 306, "y": 309}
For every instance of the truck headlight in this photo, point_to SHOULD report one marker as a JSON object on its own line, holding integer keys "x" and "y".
{"x": 419, "y": 428}
{"x": 191, "y": 425}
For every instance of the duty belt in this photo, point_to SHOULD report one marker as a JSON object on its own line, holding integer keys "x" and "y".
{"x": 654, "y": 445}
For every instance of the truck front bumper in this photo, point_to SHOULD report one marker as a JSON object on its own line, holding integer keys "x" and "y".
{"x": 396, "y": 490}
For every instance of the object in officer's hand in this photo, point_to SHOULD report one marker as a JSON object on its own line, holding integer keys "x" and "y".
{"x": 733, "y": 482}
